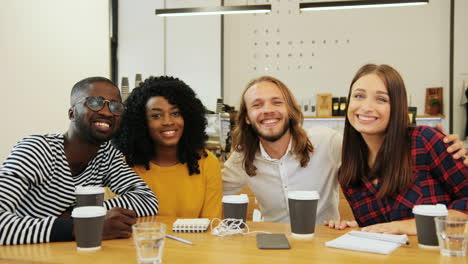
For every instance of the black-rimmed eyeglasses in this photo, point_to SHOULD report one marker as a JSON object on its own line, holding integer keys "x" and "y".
{"x": 96, "y": 103}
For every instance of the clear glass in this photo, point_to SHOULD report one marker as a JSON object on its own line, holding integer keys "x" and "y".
{"x": 149, "y": 242}
{"x": 453, "y": 235}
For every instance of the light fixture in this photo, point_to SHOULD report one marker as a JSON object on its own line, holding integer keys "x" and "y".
{"x": 218, "y": 10}
{"x": 358, "y": 4}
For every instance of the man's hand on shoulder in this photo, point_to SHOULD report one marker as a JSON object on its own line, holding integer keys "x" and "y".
{"x": 456, "y": 147}
{"x": 118, "y": 223}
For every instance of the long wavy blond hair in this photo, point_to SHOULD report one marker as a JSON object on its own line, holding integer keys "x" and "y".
{"x": 246, "y": 141}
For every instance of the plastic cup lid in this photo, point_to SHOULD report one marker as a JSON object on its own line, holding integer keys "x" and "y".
{"x": 88, "y": 211}
{"x": 303, "y": 195}
{"x": 89, "y": 189}
{"x": 430, "y": 210}
{"x": 236, "y": 199}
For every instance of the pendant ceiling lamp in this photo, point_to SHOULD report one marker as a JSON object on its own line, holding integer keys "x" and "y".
{"x": 217, "y": 10}
{"x": 358, "y": 4}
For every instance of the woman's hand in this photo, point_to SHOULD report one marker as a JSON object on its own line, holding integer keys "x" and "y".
{"x": 406, "y": 226}
{"x": 340, "y": 225}
{"x": 396, "y": 227}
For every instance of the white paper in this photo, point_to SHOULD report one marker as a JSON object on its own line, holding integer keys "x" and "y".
{"x": 368, "y": 242}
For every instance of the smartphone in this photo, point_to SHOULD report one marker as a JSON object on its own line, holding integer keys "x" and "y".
{"x": 272, "y": 241}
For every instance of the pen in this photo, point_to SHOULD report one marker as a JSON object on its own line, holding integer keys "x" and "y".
{"x": 378, "y": 238}
{"x": 179, "y": 239}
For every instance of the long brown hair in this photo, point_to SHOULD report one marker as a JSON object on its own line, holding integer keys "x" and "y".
{"x": 246, "y": 140}
{"x": 393, "y": 162}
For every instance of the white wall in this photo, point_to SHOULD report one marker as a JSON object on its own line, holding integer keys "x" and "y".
{"x": 141, "y": 40}
{"x": 192, "y": 45}
{"x": 46, "y": 46}
{"x": 460, "y": 66}
{"x": 320, "y": 51}
{"x": 415, "y": 40}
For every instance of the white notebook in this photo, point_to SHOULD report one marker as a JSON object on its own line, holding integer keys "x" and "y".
{"x": 368, "y": 242}
{"x": 191, "y": 225}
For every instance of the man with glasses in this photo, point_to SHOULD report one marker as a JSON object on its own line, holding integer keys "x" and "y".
{"x": 38, "y": 179}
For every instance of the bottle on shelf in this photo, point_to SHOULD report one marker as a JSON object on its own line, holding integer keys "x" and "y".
{"x": 305, "y": 106}
{"x": 312, "y": 106}
{"x": 124, "y": 88}
{"x": 343, "y": 105}
{"x": 219, "y": 105}
{"x": 137, "y": 79}
{"x": 335, "y": 106}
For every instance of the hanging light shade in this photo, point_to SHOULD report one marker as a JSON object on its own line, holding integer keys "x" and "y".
{"x": 358, "y": 4}
{"x": 216, "y": 10}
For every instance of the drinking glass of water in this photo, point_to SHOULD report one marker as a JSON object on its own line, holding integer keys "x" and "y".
{"x": 149, "y": 242}
{"x": 453, "y": 235}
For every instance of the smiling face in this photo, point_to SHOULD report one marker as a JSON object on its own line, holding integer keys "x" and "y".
{"x": 369, "y": 106}
{"x": 97, "y": 127}
{"x": 266, "y": 111}
{"x": 165, "y": 122}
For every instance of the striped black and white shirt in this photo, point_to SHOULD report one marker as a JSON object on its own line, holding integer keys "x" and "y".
{"x": 36, "y": 187}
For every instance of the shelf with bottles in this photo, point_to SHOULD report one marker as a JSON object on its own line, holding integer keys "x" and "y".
{"x": 419, "y": 117}
{"x": 337, "y": 122}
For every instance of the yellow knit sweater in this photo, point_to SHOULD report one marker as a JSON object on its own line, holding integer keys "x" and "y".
{"x": 183, "y": 195}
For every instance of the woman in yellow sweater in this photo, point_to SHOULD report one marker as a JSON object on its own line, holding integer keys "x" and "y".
{"x": 163, "y": 138}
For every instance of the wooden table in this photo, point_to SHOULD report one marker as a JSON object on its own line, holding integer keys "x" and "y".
{"x": 232, "y": 249}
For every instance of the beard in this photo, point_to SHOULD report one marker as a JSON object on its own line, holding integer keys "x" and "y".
{"x": 88, "y": 133}
{"x": 271, "y": 138}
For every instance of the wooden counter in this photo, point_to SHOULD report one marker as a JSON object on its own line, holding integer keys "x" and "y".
{"x": 232, "y": 249}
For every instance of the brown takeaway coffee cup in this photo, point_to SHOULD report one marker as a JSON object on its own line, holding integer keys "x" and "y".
{"x": 302, "y": 212}
{"x": 88, "y": 222}
{"x": 425, "y": 225}
{"x": 235, "y": 206}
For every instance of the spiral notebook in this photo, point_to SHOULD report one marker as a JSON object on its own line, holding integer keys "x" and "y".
{"x": 191, "y": 225}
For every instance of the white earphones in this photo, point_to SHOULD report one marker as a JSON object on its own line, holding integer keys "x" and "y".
{"x": 231, "y": 226}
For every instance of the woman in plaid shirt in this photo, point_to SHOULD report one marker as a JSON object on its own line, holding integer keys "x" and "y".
{"x": 388, "y": 166}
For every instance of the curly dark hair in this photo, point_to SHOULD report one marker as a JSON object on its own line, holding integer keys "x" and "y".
{"x": 133, "y": 137}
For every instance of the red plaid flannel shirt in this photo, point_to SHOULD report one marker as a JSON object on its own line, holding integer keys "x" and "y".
{"x": 437, "y": 178}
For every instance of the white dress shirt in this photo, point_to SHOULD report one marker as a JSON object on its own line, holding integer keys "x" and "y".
{"x": 275, "y": 177}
